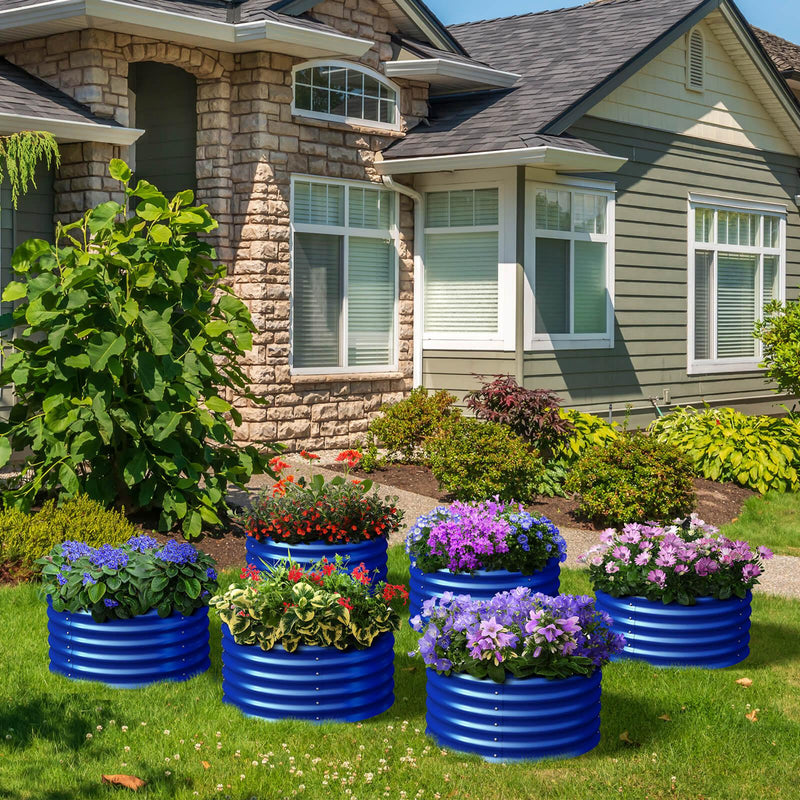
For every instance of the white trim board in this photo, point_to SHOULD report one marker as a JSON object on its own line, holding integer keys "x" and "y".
{"x": 69, "y": 131}
{"x": 446, "y": 74}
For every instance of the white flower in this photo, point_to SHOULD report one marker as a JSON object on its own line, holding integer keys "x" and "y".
{"x": 126, "y": 749}
{"x": 99, "y": 728}
{"x": 124, "y": 728}
{"x": 89, "y": 736}
{"x": 167, "y": 773}
{"x": 166, "y": 733}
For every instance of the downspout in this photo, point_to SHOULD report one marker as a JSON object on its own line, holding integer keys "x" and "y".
{"x": 519, "y": 282}
{"x": 419, "y": 225}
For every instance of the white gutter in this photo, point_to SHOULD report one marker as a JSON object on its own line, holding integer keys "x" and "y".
{"x": 69, "y": 131}
{"x": 418, "y": 201}
{"x": 432, "y": 68}
{"x": 549, "y": 157}
{"x": 120, "y": 16}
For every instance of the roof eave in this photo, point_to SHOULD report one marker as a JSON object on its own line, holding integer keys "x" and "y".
{"x": 441, "y": 71}
{"x": 562, "y": 159}
{"x": 69, "y": 130}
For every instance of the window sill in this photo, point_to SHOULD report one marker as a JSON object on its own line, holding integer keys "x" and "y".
{"x": 548, "y": 344}
{"x": 718, "y": 367}
{"x": 338, "y": 377}
{"x": 338, "y": 124}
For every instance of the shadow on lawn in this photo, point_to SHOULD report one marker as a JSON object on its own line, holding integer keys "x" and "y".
{"x": 771, "y": 644}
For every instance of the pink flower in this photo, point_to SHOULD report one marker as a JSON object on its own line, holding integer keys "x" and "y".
{"x": 622, "y": 553}
{"x": 705, "y": 566}
{"x": 750, "y": 571}
{"x": 611, "y": 567}
{"x": 765, "y": 552}
{"x": 681, "y": 569}
{"x": 642, "y": 559}
{"x": 657, "y": 576}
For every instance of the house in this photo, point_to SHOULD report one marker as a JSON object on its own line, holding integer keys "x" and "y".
{"x": 598, "y": 200}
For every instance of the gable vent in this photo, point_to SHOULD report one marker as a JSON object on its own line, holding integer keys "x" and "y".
{"x": 695, "y": 62}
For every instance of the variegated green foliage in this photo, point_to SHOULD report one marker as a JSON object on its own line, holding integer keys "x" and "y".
{"x": 761, "y": 453}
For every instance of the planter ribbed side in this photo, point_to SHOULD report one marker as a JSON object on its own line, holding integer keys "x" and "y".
{"x": 518, "y": 720}
{"x": 127, "y": 653}
{"x": 481, "y": 585}
{"x": 265, "y": 552}
{"x": 712, "y": 633}
{"x": 312, "y": 683}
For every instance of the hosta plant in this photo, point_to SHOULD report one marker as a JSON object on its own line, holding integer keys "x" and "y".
{"x": 675, "y": 563}
{"x": 126, "y": 337}
{"x": 124, "y": 581}
{"x": 762, "y": 453}
{"x": 515, "y": 633}
{"x": 341, "y": 510}
{"x": 489, "y": 536}
{"x": 322, "y": 606}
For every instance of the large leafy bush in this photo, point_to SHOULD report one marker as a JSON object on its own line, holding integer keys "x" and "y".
{"x": 474, "y": 460}
{"x": 26, "y": 537}
{"x": 126, "y": 338}
{"x": 779, "y": 333}
{"x": 762, "y": 453}
{"x": 632, "y": 479}
{"x": 402, "y": 429}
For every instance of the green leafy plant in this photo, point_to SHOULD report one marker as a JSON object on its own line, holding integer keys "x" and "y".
{"x": 762, "y": 453}
{"x": 126, "y": 338}
{"x": 26, "y": 537}
{"x": 586, "y": 431}
{"x": 128, "y": 581}
{"x": 779, "y": 333}
{"x": 20, "y": 155}
{"x": 474, "y": 460}
{"x": 322, "y": 606}
{"x": 634, "y": 478}
{"x": 401, "y": 430}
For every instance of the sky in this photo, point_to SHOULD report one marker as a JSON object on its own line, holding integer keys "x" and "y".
{"x": 779, "y": 16}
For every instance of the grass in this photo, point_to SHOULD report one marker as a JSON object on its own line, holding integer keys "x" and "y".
{"x": 771, "y": 520}
{"x": 707, "y": 749}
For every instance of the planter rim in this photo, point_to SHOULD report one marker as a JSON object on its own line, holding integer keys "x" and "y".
{"x": 446, "y": 571}
{"x": 151, "y": 613}
{"x": 511, "y": 679}
{"x": 307, "y": 648}
{"x": 703, "y": 600}
{"x": 318, "y": 542}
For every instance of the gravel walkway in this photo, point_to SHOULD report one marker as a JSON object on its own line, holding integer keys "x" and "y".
{"x": 782, "y": 576}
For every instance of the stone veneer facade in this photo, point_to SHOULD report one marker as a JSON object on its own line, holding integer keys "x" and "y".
{"x": 248, "y": 146}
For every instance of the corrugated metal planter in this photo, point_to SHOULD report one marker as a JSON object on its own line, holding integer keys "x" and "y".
{"x": 518, "y": 720}
{"x": 482, "y": 585}
{"x": 126, "y": 653}
{"x": 312, "y": 683}
{"x": 713, "y": 633}
{"x": 264, "y": 552}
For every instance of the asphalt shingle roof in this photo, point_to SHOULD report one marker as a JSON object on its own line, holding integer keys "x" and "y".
{"x": 561, "y": 56}
{"x": 784, "y": 53}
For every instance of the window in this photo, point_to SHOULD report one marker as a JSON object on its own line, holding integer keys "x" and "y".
{"x": 344, "y": 280}
{"x": 461, "y": 264}
{"x": 572, "y": 263}
{"x": 737, "y": 265}
{"x": 695, "y": 61}
{"x": 337, "y": 91}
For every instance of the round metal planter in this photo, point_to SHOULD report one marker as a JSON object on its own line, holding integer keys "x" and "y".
{"x": 712, "y": 633}
{"x": 518, "y": 720}
{"x": 127, "y": 653}
{"x": 265, "y": 552}
{"x": 312, "y": 683}
{"x": 481, "y": 585}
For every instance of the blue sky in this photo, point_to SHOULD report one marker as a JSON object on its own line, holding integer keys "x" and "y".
{"x": 778, "y": 16}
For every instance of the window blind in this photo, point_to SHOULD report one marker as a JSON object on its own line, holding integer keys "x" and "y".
{"x": 318, "y": 203}
{"x": 552, "y": 286}
{"x": 703, "y": 263}
{"x": 736, "y": 305}
{"x": 589, "y": 293}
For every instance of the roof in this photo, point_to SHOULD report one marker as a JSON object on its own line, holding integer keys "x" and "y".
{"x": 784, "y": 53}
{"x": 562, "y": 56}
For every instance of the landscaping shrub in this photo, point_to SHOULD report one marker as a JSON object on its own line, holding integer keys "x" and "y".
{"x": 587, "y": 430}
{"x": 475, "y": 460}
{"x": 725, "y": 445}
{"x": 402, "y": 428}
{"x": 26, "y": 537}
{"x": 632, "y": 479}
{"x": 128, "y": 338}
{"x": 532, "y": 414}
{"x": 779, "y": 333}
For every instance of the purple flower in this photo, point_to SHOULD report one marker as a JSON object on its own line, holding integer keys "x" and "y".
{"x": 657, "y": 576}
{"x": 750, "y": 571}
{"x": 765, "y": 552}
{"x": 621, "y": 553}
{"x": 88, "y": 580}
{"x": 109, "y": 603}
{"x": 62, "y": 579}
{"x": 108, "y": 556}
{"x": 72, "y": 551}
{"x": 175, "y": 552}
{"x": 642, "y": 558}
{"x": 705, "y": 566}
{"x": 142, "y": 543}
{"x": 611, "y": 567}
{"x": 211, "y": 574}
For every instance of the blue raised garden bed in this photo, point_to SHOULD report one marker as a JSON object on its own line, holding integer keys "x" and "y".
{"x": 518, "y": 720}
{"x": 312, "y": 683}
{"x": 127, "y": 653}
{"x": 712, "y": 633}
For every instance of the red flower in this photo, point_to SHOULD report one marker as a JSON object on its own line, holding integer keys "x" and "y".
{"x": 307, "y": 455}
{"x": 296, "y": 575}
{"x": 250, "y": 572}
{"x": 345, "y": 601}
{"x": 352, "y": 457}
{"x": 278, "y": 464}
{"x": 361, "y": 574}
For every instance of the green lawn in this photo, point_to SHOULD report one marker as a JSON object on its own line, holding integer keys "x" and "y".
{"x": 707, "y": 749}
{"x": 772, "y": 520}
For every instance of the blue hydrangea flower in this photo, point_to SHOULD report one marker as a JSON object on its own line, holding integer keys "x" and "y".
{"x": 109, "y": 603}
{"x": 176, "y": 552}
{"x": 142, "y": 543}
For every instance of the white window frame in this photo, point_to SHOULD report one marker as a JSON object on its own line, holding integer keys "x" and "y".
{"x": 569, "y": 341}
{"x": 505, "y": 184}
{"x": 353, "y": 121}
{"x": 346, "y": 231}
{"x": 721, "y": 203}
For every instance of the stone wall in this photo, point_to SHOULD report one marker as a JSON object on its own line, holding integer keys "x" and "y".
{"x": 248, "y": 146}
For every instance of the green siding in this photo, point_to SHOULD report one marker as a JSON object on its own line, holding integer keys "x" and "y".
{"x": 651, "y": 278}
{"x": 166, "y": 107}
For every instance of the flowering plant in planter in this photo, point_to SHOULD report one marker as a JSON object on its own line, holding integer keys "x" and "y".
{"x": 520, "y": 633}
{"x": 323, "y": 606}
{"x": 129, "y": 580}
{"x": 675, "y": 563}
{"x": 338, "y": 511}
{"x": 490, "y": 535}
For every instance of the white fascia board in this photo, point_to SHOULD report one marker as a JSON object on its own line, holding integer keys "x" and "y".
{"x": 548, "y": 157}
{"x": 111, "y": 14}
{"x": 70, "y": 131}
{"x": 432, "y": 68}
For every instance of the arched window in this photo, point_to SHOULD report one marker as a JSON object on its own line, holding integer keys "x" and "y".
{"x": 335, "y": 90}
